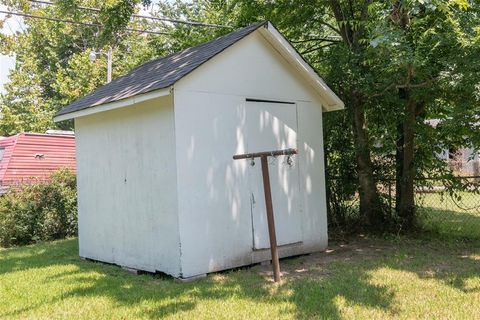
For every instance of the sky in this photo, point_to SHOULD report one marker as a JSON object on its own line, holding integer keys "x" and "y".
{"x": 6, "y": 63}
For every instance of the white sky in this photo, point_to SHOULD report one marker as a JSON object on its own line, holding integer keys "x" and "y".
{"x": 6, "y": 63}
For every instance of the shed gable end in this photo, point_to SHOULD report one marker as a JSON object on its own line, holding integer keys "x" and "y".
{"x": 253, "y": 68}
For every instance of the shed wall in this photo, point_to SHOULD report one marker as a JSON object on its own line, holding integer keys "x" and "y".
{"x": 127, "y": 187}
{"x": 213, "y": 193}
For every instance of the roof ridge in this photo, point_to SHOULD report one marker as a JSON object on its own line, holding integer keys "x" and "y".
{"x": 161, "y": 72}
{"x": 195, "y": 46}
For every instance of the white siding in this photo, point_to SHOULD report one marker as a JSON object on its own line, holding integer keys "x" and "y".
{"x": 250, "y": 68}
{"x": 158, "y": 188}
{"x": 312, "y": 173}
{"x": 273, "y": 126}
{"x": 214, "y": 216}
{"x": 213, "y": 190}
{"x": 127, "y": 187}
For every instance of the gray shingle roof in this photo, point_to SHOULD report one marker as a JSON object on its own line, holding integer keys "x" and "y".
{"x": 158, "y": 73}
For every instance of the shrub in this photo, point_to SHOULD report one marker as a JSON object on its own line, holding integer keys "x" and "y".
{"x": 39, "y": 211}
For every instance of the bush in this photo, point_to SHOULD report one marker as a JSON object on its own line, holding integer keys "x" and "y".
{"x": 39, "y": 211}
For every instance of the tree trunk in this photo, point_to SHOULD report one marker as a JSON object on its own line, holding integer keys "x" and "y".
{"x": 405, "y": 166}
{"x": 370, "y": 204}
{"x": 406, "y": 204}
{"x": 399, "y": 167}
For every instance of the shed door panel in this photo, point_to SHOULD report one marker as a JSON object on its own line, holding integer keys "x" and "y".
{"x": 273, "y": 126}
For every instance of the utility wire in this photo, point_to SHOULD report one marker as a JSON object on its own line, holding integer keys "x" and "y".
{"x": 26, "y": 15}
{"x": 192, "y": 23}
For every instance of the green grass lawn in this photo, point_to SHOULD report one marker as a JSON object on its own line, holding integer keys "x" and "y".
{"x": 449, "y": 217}
{"x": 397, "y": 278}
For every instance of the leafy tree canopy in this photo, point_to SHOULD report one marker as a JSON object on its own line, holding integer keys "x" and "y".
{"x": 395, "y": 64}
{"x": 52, "y": 64}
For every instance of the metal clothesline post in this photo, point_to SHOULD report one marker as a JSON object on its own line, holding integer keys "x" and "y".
{"x": 268, "y": 200}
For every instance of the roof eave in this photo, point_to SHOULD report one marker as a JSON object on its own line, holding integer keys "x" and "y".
{"x": 114, "y": 104}
{"x": 330, "y": 100}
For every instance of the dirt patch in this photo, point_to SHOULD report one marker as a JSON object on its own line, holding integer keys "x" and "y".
{"x": 317, "y": 264}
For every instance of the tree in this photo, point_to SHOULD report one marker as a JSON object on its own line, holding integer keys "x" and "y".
{"x": 333, "y": 35}
{"x": 394, "y": 64}
{"x": 426, "y": 43}
{"x": 53, "y": 69}
{"x": 114, "y": 15}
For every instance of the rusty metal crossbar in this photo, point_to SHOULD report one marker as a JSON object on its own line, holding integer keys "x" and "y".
{"x": 268, "y": 200}
{"x": 275, "y": 153}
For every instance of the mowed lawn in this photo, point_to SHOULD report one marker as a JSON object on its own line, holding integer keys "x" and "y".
{"x": 366, "y": 278}
{"x": 450, "y": 217}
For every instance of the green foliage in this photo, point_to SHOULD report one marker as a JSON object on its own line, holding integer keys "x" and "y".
{"x": 365, "y": 50}
{"x": 369, "y": 52}
{"x": 52, "y": 66}
{"x": 39, "y": 211}
{"x": 340, "y": 168}
{"x": 182, "y": 36}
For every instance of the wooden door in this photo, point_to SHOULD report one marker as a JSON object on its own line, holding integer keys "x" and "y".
{"x": 273, "y": 126}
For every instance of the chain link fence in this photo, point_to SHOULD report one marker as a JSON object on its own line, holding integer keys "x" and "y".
{"x": 450, "y": 207}
{"x": 448, "y": 211}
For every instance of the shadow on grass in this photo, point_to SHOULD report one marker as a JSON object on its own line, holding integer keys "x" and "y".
{"x": 450, "y": 224}
{"x": 314, "y": 295}
{"x": 310, "y": 297}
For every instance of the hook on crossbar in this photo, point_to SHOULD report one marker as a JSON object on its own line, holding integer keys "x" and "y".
{"x": 268, "y": 198}
{"x": 284, "y": 152}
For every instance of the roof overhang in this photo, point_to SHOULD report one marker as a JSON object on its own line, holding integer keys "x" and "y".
{"x": 114, "y": 105}
{"x": 330, "y": 100}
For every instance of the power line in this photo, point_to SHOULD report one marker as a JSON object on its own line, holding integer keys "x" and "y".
{"x": 90, "y": 24}
{"x": 193, "y": 23}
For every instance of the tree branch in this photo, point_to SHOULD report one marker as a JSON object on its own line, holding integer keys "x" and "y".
{"x": 390, "y": 86}
{"x": 342, "y": 21}
{"x": 330, "y": 26}
{"x": 405, "y": 86}
{"x": 315, "y": 48}
{"x": 418, "y": 85}
{"x": 316, "y": 39}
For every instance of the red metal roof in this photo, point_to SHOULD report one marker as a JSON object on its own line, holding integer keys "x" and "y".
{"x": 34, "y": 155}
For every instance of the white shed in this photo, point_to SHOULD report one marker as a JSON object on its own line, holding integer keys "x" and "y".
{"x": 158, "y": 189}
